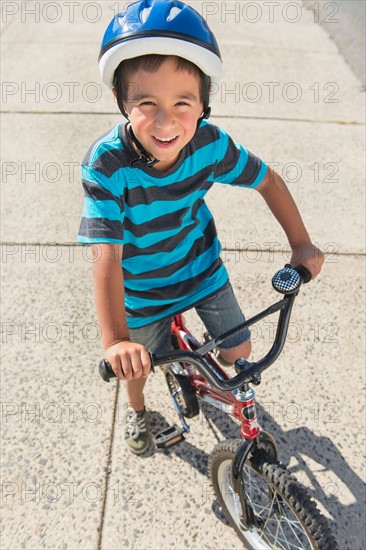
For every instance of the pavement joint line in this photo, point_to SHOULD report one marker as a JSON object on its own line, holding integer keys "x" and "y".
{"x": 108, "y": 470}
{"x": 251, "y": 249}
{"x": 236, "y": 117}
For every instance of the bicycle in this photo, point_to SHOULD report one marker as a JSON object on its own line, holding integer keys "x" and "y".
{"x": 262, "y": 500}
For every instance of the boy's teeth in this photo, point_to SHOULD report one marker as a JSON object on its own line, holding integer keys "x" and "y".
{"x": 165, "y": 139}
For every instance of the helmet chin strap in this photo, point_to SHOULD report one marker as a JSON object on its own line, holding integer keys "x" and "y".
{"x": 205, "y": 115}
{"x": 144, "y": 157}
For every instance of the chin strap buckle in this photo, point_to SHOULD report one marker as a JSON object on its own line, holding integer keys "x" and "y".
{"x": 144, "y": 157}
{"x": 144, "y": 160}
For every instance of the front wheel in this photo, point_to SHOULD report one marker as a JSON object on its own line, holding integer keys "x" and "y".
{"x": 286, "y": 516}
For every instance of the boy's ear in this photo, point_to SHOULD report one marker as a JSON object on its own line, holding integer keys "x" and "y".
{"x": 114, "y": 92}
{"x": 118, "y": 99}
{"x": 121, "y": 106}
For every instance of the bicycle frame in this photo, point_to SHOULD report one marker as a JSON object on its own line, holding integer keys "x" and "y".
{"x": 243, "y": 409}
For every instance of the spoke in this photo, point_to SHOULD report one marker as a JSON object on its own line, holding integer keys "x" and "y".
{"x": 281, "y": 529}
{"x": 276, "y": 538}
{"x": 275, "y": 527}
{"x": 260, "y": 509}
{"x": 270, "y": 511}
{"x": 266, "y": 529}
{"x": 293, "y": 523}
{"x": 268, "y": 538}
{"x": 280, "y": 537}
{"x": 255, "y": 488}
{"x": 289, "y": 545}
{"x": 290, "y": 524}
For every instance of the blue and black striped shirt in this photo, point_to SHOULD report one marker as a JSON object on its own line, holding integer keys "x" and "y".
{"x": 171, "y": 253}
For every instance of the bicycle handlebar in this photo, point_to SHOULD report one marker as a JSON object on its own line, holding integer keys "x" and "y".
{"x": 286, "y": 281}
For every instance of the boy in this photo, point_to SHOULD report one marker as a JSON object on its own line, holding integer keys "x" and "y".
{"x": 145, "y": 183}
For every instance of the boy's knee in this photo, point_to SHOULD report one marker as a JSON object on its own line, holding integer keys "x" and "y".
{"x": 242, "y": 351}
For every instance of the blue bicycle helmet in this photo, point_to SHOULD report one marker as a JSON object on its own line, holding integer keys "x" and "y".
{"x": 164, "y": 27}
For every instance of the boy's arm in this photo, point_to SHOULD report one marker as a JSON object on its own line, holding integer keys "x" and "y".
{"x": 274, "y": 191}
{"x": 129, "y": 360}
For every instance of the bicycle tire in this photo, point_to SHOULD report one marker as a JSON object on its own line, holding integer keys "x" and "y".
{"x": 186, "y": 395}
{"x": 290, "y": 519}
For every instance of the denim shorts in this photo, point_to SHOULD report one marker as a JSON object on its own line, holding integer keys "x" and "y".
{"x": 219, "y": 313}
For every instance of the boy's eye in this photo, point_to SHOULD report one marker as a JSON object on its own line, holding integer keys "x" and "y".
{"x": 182, "y": 104}
{"x": 147, "y": 103}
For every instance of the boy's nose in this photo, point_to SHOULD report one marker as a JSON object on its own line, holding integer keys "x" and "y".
{"x": 164, "y": 118}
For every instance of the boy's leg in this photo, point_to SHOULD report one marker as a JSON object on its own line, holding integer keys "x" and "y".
{"x": 135, "y": 396}
{"x": 136, "y": 432}
{"x": 155, "y": 337}
{"x": 221, "y": 313}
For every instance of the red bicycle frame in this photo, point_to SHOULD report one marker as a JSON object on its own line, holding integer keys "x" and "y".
{"x": 243, "y": 410}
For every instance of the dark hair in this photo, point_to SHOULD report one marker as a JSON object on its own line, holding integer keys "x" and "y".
{"x": 150, "y": 63}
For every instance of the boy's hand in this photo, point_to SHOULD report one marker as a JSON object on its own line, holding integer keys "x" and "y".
{"x": 309, "y": 256}
{"x": 129, "y": 360}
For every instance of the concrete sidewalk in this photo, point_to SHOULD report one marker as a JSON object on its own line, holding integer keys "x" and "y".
{"x": 290, "y": 97}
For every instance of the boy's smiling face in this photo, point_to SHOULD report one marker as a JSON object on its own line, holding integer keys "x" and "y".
{"x": 163, "y": 108}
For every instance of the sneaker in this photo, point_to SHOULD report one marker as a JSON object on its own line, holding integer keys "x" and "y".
{"x": 136, "y": 433}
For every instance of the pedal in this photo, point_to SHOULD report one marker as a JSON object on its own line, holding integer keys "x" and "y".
{"x": 168, "y": 437}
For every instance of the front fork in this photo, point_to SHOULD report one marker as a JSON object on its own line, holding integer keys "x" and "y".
{"x": 253, "y": 436}
{"x": 266, "y": 442}
{"x": 237, "y": 479}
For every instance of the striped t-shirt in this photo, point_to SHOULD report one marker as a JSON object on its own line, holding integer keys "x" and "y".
{"x": 171, "y": 253}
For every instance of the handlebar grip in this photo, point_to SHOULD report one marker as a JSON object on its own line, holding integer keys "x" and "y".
{"x": 106, "y": 371}
{"x": 304, "y": 273}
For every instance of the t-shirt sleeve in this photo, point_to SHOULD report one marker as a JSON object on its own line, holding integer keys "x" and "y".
{"x": 103, "y": 209}
{"x": 236, "y": 165}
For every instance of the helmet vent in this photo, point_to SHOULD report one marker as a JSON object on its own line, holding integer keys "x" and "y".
{"x": 173, "y": 13}
{"x": 144, "y": 14}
